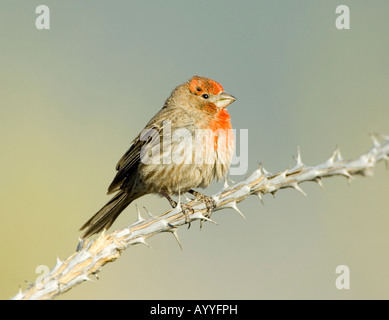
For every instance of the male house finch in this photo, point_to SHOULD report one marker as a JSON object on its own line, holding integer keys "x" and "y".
{"x": 197, "y": 105}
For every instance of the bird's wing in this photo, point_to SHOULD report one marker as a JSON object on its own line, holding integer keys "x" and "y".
{"x": 128, "y": 164}
{"x": 149, "y": 138}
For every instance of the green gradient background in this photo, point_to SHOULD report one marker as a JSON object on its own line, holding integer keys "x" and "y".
{"x": 73, "y": 97}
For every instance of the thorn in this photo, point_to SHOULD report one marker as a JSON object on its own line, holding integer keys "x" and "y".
{"x": 274, "y": 193}
{"x": 347, "y": 175}
{"x": 139, "y": 217}
{"x": 30, "y": 284}
{"x": 80, "y": 244}
{"x": 265, "y": 172}
{"x": 86, "y": 278}
{"x": 19, "y": 295}
{"x": 175, "y": 234}
{"x": 140, "y": 240}
{"x": 338, "y": 155}
{"x": 260, "y": 168}
{"x": 143, "y": 241}
{"x": 199, "y": 215}
{"x": 186, "y": 198}
{"x": 178, "y": 206}
{"x": 386, "y": 158}
{"x": 233, "y": 205}
{"x": 384, "y": 136}
{"x": 297, "y": 187}
{"x": 283, "y": 173}
{"x": 226, "y": 185}
{"x": 333, "y": 156}
{"x": 232, "y": 181}
{"x": 376, "y": 143}
{"x": 58, "y": 263}
{"x": 260, "y": 197}
{"x": 299, "y": 162}
{"x": 148, "y": 212}
{"x": 320, "y": 183}
{"x": 208, "y": 219}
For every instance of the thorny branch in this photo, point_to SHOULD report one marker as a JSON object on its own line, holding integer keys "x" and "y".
{"x": 94, "y": 254}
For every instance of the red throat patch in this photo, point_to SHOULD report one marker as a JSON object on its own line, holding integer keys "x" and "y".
{"x": 222, "y": 122}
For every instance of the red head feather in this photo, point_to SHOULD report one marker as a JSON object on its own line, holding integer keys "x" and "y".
{"x": 199, "y": 85}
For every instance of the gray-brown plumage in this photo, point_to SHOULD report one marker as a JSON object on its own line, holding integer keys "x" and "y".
{"x": 197, "y": 106}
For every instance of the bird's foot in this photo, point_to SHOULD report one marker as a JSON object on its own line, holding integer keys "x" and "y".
{"x": 186, "y": 210}
{"x": 208, "y": 201}
{"x": 171, "y": 201}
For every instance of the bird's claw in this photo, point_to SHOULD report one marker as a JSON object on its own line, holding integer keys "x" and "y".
{"x": 208, "y": 201}
{"x": 186, "y": 211}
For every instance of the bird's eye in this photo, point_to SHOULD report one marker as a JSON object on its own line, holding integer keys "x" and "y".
{"x": 205, "y": 96}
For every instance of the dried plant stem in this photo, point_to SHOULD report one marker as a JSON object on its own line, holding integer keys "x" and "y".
{"x": 93, "y": 254}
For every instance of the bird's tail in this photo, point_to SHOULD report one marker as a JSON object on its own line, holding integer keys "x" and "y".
{"x": 104, "y": 218}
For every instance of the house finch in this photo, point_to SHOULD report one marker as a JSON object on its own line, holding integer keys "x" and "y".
{"x": 204, "y": 147}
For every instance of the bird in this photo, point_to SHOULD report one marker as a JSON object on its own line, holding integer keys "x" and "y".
{"x": 186, "y": 145}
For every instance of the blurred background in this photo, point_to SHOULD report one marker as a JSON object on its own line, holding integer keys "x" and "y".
{"x": 72, "y": 98}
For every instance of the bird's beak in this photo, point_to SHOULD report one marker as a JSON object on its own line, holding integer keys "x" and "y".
{"x": 224, "y": 100}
